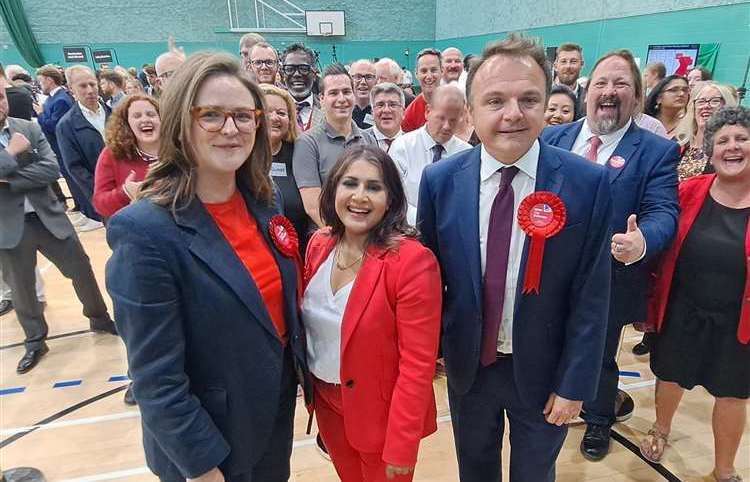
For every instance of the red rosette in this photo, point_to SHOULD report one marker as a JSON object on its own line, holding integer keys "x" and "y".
{"x": 286, "y": 240}
{"x": 541, "y": 215}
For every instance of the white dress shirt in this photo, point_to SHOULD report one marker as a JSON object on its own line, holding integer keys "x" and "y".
{"x": 412, "y": 152}
{"x": 96, "y": 119}
{"x": 523, "y": 185}
{"x": 322, "y": 315}
{"x": 381, "y": 138}
{"x": 306, "y": 111}
{"x": 608, "y": 146}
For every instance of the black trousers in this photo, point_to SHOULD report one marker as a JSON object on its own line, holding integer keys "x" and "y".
{"x": 479, "y": 424}
{"x": 68, "y": 256}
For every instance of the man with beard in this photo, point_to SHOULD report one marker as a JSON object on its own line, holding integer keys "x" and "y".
{"x": 453, "y": 65}
{"x": 568, "y": 65}
{"x": 264, "y": 63}
{"x": 429, "y": 73}
{"x": 316, "y": 151}
{"x": 112, "y": 85}
{"x": 643, "y": 177}
{"x": 365, "y": 77}
{"x": 298, "y": 75}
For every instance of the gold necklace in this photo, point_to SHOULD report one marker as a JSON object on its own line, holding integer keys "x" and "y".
{"x": 338, "y": 263}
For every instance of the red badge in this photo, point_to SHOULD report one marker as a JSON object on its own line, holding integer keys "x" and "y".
{"x": 286, "y": 240}
{"x": 541, "y": 215}
{"x": 616, "y": 161}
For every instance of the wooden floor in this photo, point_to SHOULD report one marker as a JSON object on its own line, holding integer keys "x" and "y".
{"x": 101, "y": 439}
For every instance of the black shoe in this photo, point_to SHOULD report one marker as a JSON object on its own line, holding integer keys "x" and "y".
{"x": 595, "y": 443}
{"x": 624, "y": 406}
{"x": 129, "y": 398}
{"x": 644, "y": 347}
{"x": 31, "y": 358}
{"x": 6, "y": 306}
{"x": 103, "y": 326}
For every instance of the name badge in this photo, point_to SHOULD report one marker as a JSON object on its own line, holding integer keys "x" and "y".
{"x": 369, "y": 119}
{"x": 278, "y": 169}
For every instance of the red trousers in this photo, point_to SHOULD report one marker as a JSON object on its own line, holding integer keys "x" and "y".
{"x": 351, "y": 464}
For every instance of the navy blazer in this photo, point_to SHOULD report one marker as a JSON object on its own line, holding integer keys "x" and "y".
{"x": 558, "y": 334}
{"x": 645, "y": 186}
{"x": 203, "y": 353}
{"x": 80, "y": 144}
{"x": 55, "y": 108}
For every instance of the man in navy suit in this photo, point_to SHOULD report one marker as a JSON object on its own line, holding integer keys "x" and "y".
{"x": 641, "y": 167}
{"x": 531, "y": 356}
{"x": 80, "y": 136}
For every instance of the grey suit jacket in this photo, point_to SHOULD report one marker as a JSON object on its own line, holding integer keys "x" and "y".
{"x": 28, "y": 176}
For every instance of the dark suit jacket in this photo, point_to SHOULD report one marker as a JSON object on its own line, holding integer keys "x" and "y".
{"x": 54, "y": 109}
{"x": 558, "y": 334}
{"x": 645, "y": 186}
{"x": 29, "y": 175}
{"x": 80, "y": 144}
{"x": 203, "y": 353}
{"x": 20, "y": 102}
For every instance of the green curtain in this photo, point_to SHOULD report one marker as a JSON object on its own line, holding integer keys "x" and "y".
{"x": 20, "y": 31}
{"x": 707, "y": 56}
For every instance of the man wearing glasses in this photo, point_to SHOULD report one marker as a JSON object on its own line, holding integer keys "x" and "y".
{"x": 166, "y": 64}
{"x": 299, "y": 76}
{"x": 264, "y": 63}
{"x": 364, "y": 76}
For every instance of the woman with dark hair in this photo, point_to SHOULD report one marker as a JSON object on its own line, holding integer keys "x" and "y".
{"x": 668, "y": 101}
{"x": 132, "y": 144}
{"x": 204, "y": 287}
{"x": 699, "y": 305}
{"x": 371, "y": 310}
{"x": 561, "y": 106}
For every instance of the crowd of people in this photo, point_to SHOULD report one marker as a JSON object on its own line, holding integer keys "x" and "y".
{"x": 275, "y": 225}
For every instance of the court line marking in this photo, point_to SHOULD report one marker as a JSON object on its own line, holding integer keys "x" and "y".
{"x": 53, "y": 337}
{"x": 73, "y": 423}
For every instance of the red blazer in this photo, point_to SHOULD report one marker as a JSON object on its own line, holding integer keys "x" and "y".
{"x": 109, "y": 177}
{"x": 692, "y": 195}
{"x": 389, "y": 344}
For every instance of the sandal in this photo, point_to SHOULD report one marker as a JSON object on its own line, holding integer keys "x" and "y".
{"x": 731, "y": 478}
{"x": 652, "y": 447}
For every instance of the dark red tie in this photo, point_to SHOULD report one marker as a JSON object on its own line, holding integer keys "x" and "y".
{"x": 388, "y": 143}
{"x": 496, "y": 266}
{"x": 594, "y": 144}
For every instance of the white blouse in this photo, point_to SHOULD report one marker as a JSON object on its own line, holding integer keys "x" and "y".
{"x": 322, "y": 314}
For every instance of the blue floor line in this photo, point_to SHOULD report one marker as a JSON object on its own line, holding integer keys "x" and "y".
{"x": 68, "y": 383}
{"x": 630, "y": 374}
{"x": 11, "y": 391}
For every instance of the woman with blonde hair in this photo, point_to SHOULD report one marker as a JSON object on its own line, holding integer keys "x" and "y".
{"x": 707, "y": 98}
{"x": 282, "y": 132}
{"x": 204, "y": 287}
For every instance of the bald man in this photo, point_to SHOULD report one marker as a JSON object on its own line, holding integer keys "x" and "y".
{"x": 453, "y": 64}
{"x": 166, "y": 65}
{"x": 388, "y": 71}
{"x": 432, "y": 142}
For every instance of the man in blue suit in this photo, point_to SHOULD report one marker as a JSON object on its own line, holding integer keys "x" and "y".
{"x": 531, "y": 356}
{"x": 80, "y": 135}
{"x": 641, "y": 168}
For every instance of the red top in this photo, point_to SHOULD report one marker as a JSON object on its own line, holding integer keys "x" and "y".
{"x": 109, "y": 177}
{"x": 693, "y": 193}
{"x": 414, "y": 116}
{"x": 241, "y": 231}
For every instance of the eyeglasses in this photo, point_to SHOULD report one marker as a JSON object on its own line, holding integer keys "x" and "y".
{"x": 213, "y": 119}
{"x": 390, "y": 105}
{"x": 166, "y": 75}
{"x": 713, "y": 102}
{"x": 261, "y": 63}
{"x": 366, "y": 77}
{"x": 303, "y": 69}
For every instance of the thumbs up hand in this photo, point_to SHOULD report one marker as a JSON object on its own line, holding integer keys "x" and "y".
{"x": 630, "y": 246}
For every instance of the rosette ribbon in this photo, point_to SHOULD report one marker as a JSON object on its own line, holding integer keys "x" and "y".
{"x": 541, "y": 215}
{"x": 286, "y": 240}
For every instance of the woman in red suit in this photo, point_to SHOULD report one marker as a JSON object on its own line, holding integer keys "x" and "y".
{"x": 132, "y": 145}
{"x": 371, "y": 310}
{"x": 701, "y": 297}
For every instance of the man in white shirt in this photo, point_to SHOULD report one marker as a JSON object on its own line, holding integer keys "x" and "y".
{"x": 453, "y": 65}
{"x": 387, "y": 100}
{"x": 435, "y": 140}
{"x": 80, "y": 136}
{"x": 509, "y": 348}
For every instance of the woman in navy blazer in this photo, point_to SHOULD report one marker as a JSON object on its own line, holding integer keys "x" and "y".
{"x": 214, "y": 343}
